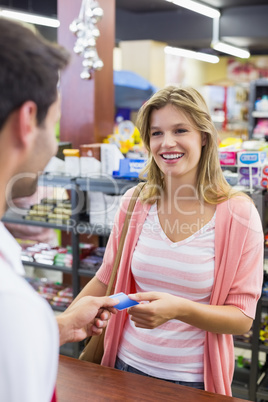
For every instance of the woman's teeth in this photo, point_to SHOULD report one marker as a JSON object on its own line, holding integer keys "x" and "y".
{"x": 172, "y": 156}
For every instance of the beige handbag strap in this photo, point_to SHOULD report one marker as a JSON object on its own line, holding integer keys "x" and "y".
{"x": 131, "y": 206}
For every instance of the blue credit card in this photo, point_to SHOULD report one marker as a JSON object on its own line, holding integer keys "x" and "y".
{"x": 124, "y": 301}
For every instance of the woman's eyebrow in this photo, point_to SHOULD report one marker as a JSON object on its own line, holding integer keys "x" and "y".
{"x": 174, "y": 126}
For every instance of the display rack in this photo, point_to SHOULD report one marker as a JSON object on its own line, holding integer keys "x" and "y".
{"x": 245, "y": 383}
{"x": 258, "y": 88}
{"x": 252, "y": 384}
{"x": 75, "y": 186}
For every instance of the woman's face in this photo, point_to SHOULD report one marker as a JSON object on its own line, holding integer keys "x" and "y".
{"x": 175, "y": 144}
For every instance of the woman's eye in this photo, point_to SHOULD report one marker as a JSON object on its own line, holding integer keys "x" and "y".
{"x": 181, "y": 130}
{"x": 155, "y": 133}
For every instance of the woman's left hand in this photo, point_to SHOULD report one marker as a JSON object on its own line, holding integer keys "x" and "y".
{"x": 160, "y": 309}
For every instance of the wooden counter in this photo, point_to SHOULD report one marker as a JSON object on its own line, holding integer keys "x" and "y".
{"x": 80, "y": 381}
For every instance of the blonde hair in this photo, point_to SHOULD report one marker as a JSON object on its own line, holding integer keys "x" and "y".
{"x": 211, "y": 184}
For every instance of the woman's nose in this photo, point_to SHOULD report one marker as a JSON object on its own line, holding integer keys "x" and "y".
{"x": 169, "y": 140}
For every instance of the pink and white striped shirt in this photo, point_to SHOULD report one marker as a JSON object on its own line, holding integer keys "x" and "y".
{"x": 174, "y": 350}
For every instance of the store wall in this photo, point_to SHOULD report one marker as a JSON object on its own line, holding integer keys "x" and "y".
{"x": 144, "y": 57}
{"x": 147, "y": 58}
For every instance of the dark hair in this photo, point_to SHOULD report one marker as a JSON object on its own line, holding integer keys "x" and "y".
{"x": 29, "y": 69}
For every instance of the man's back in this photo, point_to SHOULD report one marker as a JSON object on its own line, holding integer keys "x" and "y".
{"x": 29, "y": 335}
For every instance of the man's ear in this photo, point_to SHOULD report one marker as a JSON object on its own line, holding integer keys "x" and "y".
{"x": 26, "y": 120}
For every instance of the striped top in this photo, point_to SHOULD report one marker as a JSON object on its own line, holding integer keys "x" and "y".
{"x": 174, "y": 350}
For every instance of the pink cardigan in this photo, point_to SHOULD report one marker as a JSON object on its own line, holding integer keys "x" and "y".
{"x": 238, "y": 279}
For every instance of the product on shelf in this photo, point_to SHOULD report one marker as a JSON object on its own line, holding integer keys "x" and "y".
{"x": 43, "y": 253}
{"x": 264, "y": 330}
{"x": 56, "y": 294}
{"x": 90, "y": 159}
{"x": 103, "y": 208}
{"x": 129, "y": 168}
{"x": 261, "y": 104}
{"x": 261, "y": 129}
{"x": 72, "y": 162}
{"x": 227, "y": 157}
{"x": 92, "y": 262}
{"x": 50, "y": 210}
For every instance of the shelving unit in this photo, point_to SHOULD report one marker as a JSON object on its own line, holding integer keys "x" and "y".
{"x": 262, "y": 389}
{"x": 258, "y": 88}
{"x": 77, "y": 187}
{"x": 247, "y": 387}
{"x": 252, "y": 384}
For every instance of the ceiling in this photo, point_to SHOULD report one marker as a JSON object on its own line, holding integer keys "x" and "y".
{"x": 243, "y": 22}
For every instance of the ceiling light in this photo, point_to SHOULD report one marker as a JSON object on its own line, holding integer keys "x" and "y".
{"x": 197, "y": 7}
{"x": 233, "y": 50}
{"x": 224, "y": 47}
{"x": 30, "y": 18}
{"x": 176, "y": 51}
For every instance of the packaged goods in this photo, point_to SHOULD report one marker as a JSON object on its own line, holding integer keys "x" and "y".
{"x": 72, "y": 162}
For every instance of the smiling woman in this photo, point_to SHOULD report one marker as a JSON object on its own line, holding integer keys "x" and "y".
{"x": 193, "y": 252}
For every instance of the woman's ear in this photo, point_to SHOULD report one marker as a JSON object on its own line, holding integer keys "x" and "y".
{"x": 203, "y": 138}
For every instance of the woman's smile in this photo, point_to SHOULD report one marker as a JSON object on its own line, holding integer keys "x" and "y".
{"x": 171, "y": 157}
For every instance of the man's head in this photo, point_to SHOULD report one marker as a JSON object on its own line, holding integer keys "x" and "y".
{"x": 29, "y": 69}
{"x": 29, "y": 104}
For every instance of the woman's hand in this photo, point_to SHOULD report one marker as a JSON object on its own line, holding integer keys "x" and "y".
{"x": 161, "y": 308}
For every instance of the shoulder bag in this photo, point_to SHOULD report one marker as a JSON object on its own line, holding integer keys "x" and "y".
{"x": 94, "y": 348}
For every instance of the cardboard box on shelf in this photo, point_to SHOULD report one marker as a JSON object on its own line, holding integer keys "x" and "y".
{"x": 227, "y": 157}
{"x": 110, "y": 158}
{"x": 251, "y": 158}
{"x": 130, "y": 168}
{"x": 102, "y": 208}
{"x": 247, "y": 170}
{"x": 90, "y": 159}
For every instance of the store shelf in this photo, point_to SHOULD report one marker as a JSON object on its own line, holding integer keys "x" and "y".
{"x": 66, "y": 270}
{"x": 240, "y": 390}
{"x": 105, "y": 184}
{"x": 79, "y": 228}
{"x": 240, "y": 382}
{"x": 260, "y": 114}
{"x": 11, "y": 217}
{"x": 258, "y": 88}
{"x": 86, "y": 272}
{"x": 263, "y": 348}
{"x": 61, "y": 268}
{"x": 57, "y": 180}
{"x": 243, "y": 345}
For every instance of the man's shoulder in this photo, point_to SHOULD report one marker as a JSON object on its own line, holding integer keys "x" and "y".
{"x": 15, "y": 288}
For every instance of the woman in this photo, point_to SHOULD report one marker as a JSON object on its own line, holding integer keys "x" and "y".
{"x": 194, "y": 254}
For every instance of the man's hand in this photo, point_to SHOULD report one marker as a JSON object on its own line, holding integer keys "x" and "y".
{"x": 88, "y": 316}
